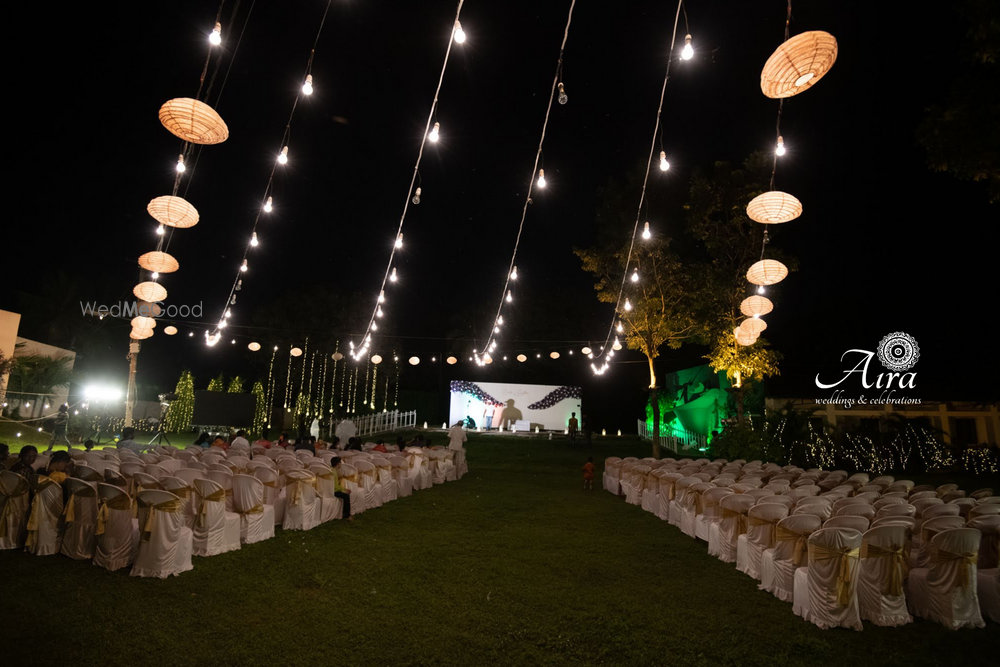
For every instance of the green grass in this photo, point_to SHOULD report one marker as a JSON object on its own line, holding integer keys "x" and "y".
{"x": 513, "y": 565}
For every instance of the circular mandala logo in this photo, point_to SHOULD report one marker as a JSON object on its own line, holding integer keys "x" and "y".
{"x": 898, "y": 351}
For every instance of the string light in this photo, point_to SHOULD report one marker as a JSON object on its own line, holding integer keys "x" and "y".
{"x": 435, "y": 132}
{"x": 628, "y": 305}
{"x": 760, "y": 289}
{"x": 381, "y": 297}
{"x": 399, "y": 240}
{"x": 635, "y": 275}
{"x": 563, "y": 97}
{"x": 156, "y": 275}
{"x": 283, "y": 156}
{"x": 509, "y": 297}
{"x": 459, "y": 33}
{"x": 228, "y": 313}
{"x": 215, "y": 37}
{"x": 307, "y": 87}
{"x": 269, "y": 205}
{"x": 513, "y": 274}
{"x": 664, "y": 165}
{"x": 620, "y": 328}
{"x": 160, "y": 230}
{"x": 253, "y": 240}
{"x": 180, "y": 164}
{"x": 541, "y": 178}
{"x": 416, "y": 196}
{"x": 687, "y": 53}
{"x": 393, "y": 276}
{"x": 645, "y": 232}
{"x": 378, "y": 312}
{"x": 779, "y": 149}
{"x": 243, "y": 266}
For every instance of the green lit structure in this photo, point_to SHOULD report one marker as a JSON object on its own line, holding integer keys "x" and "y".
{"x": 694, "y": 402}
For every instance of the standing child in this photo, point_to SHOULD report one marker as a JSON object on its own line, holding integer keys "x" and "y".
{"x": 588, "y": 474}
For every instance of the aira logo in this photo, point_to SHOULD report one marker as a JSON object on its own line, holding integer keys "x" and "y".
{"x": 898, "y": 353}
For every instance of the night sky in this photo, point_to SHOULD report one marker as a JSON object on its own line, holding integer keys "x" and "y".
{"x": 884, "y": 244}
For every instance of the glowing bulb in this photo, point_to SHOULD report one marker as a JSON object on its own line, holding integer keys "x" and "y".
{"x": 223, "y": 324}
{"x": 563, "y": 97}
{"x": 513, "y": 274}
{"x": 620, "y": 328}
{"x": 459, "y": 33}
{"x": 215, "y": 37}
{"x": 541, "y": 178}
{"x": 374, "y": 327}
{"x": 268, "y": 205}
{"x": 780, "y": 148}
{"x": 156, "y": 275}
{"x": 435, "y": 132}
{"x": 687, "y": 53}
{"x": 399, "y": 240}
{"x": 180, "y": 164}
{"x": 645, "y": 232}
{"x": 159, "y": 230}
{"x": 500, "y": 320}
{"x": 664, "y": 165}
{"x": 283, "y": 156}
{"x": 243, "y": 266}
{"x": 381, "y": 297}
{"x": 496, "y": 329}
{"x": 378, "y": 312}
{"x": 493, "y": 345}
{"x": 253, "y": 240}
{"x": 628, "y": 306}
{"x": 635, "y": 275}
{"x": 393, "y": 276}
{"x": 416, "y": 196}
{"x": 509, "y": 297}
{"x": 228, "y": 313}
{"x": 190, "y": 334}
{"x": 307, "y": 87}
{"x": 760, "y": 290}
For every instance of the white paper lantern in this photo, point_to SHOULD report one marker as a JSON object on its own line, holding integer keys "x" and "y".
{"x": 522, "y": 358}
{"x": 150, "y": 291}
{"x": 414, "y": 361}
{"x": 376, "y": 359}
{"x": 451, "y": 361}
{"x": 554, "y": 355}
{"x": 753, "y": 325}
{"x": 254, "y": 346}
{"x": 798, "y": 64}
{"x": 774, "y": 208}
{"x": 296, "y": 352}
{"x": 337, "y": 356}
{"x": 767, "y": 272}
{"x": 586, "y": 350}
{"x": 756, "y": 305}
{"x": 170, "y": 331}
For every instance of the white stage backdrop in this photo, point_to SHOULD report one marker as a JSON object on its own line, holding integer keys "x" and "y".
{"x": 545, "y": 406}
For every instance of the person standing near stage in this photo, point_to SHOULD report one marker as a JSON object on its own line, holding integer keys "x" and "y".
{"x": 573, "y": 426}
{"x": 59, "y": 431}
{"x": 487, "y": 417}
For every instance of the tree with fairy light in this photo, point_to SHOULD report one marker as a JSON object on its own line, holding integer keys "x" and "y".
{"x": 235, "y": 385}
{"x": 178, "y": 419}
{"x": 218, "y": 384}
{"x": 260, "y": 411}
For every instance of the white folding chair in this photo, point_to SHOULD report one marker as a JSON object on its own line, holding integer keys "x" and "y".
{"x": 256, "y": 517}
{"x": 164, "y": 542}
{"x": 117, "y": 529}
{"x": 722, "y": 536}
{"x": 946, "y": 590}
{"x": 216, "y": 530}
{"x": 223, "y": 478}
{"x": 826, "y": 591}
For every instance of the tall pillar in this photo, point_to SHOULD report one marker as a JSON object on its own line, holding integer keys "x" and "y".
{"x": 130, "y": 397}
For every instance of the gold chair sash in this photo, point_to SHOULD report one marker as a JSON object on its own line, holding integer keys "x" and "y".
{"x": 69, "y": 512}
{"x": 214, "y": 497}
{"x": 846, "y": 555}
{"x": 122, "y": 502}
{"x": 272, "y": 485}
{"x": 741, "y": 519}
{"x": 758, "y": 521}
{"x": 183, "y": 492}
{"x": 966, "y": 561}
{"x": 296, "y": 489}
{"x": 43, "y": 482}
{"x": 20, "y": 489}
{"x": 171, "y": 506}
{"x": 782, "y": 534}
{"x": 256, "y": 509}
{"x": 900, "y": 565}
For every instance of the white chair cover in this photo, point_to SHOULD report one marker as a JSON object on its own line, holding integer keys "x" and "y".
{"x": 668, "y": 490}
{"x": 351, "y": 480}
{"x": 301, "y": 508}
{"x": 274, "y": 492}
{"x": 693, "y": 506}
{"x": 388, "y": 482}
{"x": 368, "y": 480}
{"x": 711, "y": 511}
{"x": 883, "y": 567}
{"x": 256, "y": 517}
{"x": 14, "y": 508}
{"x": 223, "y": 478}
{"x": 401, "y": 473}
{"x": 722, "y": 536}
{"x": 612, "y": 466}
{"x": 762, "y": 522}
{"x": 45, "y": 521}
{"x": 330, "y": 507}
{"x": 826, "y": 591}
{"x": 946, "y": 591}
{"x": 790, "y": 552}
{"x": 80, "y": 519}
{"x": 183, "y": 490}
{"x": 164, "y": 542}
{"x": 216, "y": 530}
{"x": 117, "y": 529}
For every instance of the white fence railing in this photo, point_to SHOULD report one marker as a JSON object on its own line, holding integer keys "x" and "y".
{"x": 381, "y": 422}
{"x": 676, "y": 439}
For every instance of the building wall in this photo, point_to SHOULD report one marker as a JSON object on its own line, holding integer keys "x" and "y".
{"x": 61, "y": 394}
{"x": 9, "y": 322}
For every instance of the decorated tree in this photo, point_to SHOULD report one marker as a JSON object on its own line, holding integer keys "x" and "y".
{"x": 218, "y": 384}
{"x": 235, "y": 385}
{"x": 179, "y": 413}
{"x": 742, "y": 363}
{"x": 260, "y": 411}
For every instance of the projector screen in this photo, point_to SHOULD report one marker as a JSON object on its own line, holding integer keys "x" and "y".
{"x": 219, "y": 408}
{"x": 526, "y": 405}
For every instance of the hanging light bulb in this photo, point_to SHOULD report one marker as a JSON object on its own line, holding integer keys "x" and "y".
{"x": 283, "y": 156}
{"x": 635, "y": 275}
{"x": 243, "y": 267}
{"x": 496, "y": 329}
{"x": 399, "y": 240}
{"x": 215, "y": 37}
{"x": 374, "y": 327}
{"x": 563, "y": 97}
{"x": 513, "y": 274}
{"x": 227, "y": 313}
{"x": 687, "y": 53}
{"x": 239, "y": 284}
{"x": 253, "y": 240}
{"x": 620, "y": 328}
{"x": 232, "y": 302}
{"x": 541, "y": 178}
{"x": 628, "y": 306}
{"x": 156, "y": 275}
{"x": 381, "y": 297}
{"x": 500, "y": 320}
{"x": 180, "y": 164}
{"x": 159, "y": 230}
{"x": 378, "y": 312}
{"x": 307, "y": 87}
{"x": 268, "y": 205}
{"x": 435, "y": 132}
{"x": 779, "y": 149}
{"x": 509, "y": 297}
{"x": 645, "y": 232}
{"x": 393, "y": 276}
{"x": 760, "y": 289}
{"x": 416, "y": 196}
{"x": 459, "y": 33}
{"x": 664, "y": 165}
{"x": 222, "y": 324}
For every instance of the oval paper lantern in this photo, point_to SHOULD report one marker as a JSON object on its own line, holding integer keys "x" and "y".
{"x": 756, "y": 305}
{"x": 253, "y": 346}
{"x": 487, "y": 359}
{"x": 141, "y": 334}
{"x": 522, "y": 358}
{"x": 173, "y": 212}
{"x": 798, "y": 64}
{"x": 170, "y": 331}
{"x": 295, "y": 352}
{"x": 554, "y": 355}
{"x": 147, "y": 309}
{"x": 143, "y": 324}
{"x": 193, "y": 121}
{"x": 337, "y": 356}
{"x": 150, "y": 291}
{"x": 376, "y": 359}
{"x": 586, "y": 350}
{"x": 160, "y": 262}
{"x": 451, "y": 361}
{"x": 767, "y": 272}
{"x": 753, "y": 325}
{"x": 414, "y": 361}
{"x": 774, "y": 208}
{"x": 744, "y": 338}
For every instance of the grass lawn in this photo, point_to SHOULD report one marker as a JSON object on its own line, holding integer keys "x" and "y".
{"x": 513, "y": 565}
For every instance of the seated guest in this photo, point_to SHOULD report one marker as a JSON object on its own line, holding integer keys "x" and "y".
{"x": 263, "y": 441}
{"x": 418, "y": 441}
{"x": 354, "y": 444}
{"x": 400, "y": 442}
{"x": 320, "y": 444}
{"x": 380, "y": 447}
{"x": 25, "y": 466}
{"x": 58, "y": 467}
{"x": 339, "y": 490}
{"x": 6, "y": 460}
{"x": 305, "y": 444}
{"x": 240, "y": 439}
{"x": 204, "y": 440}
{"x": 283, "y": 441}
{"x": 221, "y": 443}
{"x": 335, "y": 443}
{"x": 88, "y": 445}
{"x": 128, "y": 441}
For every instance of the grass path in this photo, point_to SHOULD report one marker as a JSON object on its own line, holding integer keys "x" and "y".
{"x": 513, "y": 565}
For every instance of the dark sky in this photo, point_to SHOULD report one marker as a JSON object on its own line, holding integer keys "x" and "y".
{"x": 884, "y": 245}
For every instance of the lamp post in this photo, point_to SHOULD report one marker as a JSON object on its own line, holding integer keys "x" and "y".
{"x": 133, "y": 359}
